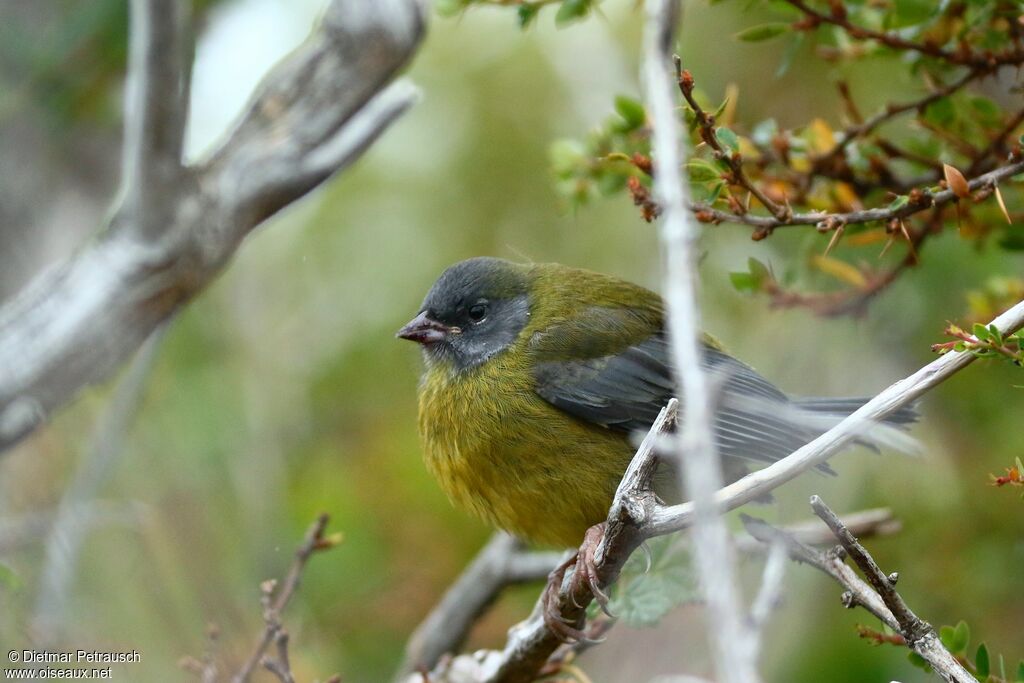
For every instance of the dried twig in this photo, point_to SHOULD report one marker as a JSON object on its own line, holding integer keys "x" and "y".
{"x": 919, "y": 201}
{"x": 880, "y": 597}
{"x": 963, "y": 56}
{"x": 275, "y": 599}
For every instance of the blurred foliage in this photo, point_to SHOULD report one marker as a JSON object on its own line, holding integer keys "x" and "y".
{"x": 72, "y": 70}
{"x": 280, "y": 393}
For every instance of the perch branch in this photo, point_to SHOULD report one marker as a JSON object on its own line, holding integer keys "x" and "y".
{"x": 635, "y": 513}
{"x": 502, "y": 562}
{"x": 902, "y": 393}
{"x": 311, "y": 117}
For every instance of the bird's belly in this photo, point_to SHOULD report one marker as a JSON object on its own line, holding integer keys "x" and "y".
{"x": 519, "y": 463}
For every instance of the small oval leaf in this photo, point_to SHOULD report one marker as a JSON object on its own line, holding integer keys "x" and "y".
{"x": 756, "y": 34}
{"x": 956, "y": 181}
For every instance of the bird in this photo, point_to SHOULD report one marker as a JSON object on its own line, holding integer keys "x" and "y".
{"x": 537, "y": 378}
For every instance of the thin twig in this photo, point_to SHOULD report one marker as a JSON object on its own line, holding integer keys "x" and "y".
{"x": 920, "y": 200}
{"x": 910, "y": 624}
{"x": 500, "y": 563}
{"x": 897, "y": 42}
{"x": 878, "y": 596}
{"x": 891, "y": 111}
{"x": 706, "y": 124}
{"x": 276, "y": 599}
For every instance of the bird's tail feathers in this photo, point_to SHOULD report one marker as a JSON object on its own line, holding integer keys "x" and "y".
{"x": 844, "y": 406}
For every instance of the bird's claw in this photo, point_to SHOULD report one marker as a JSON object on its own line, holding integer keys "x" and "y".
{"x": 584, "y": 572}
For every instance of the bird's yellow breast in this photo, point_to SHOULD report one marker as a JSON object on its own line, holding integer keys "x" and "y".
{"x": 503, "y": 453}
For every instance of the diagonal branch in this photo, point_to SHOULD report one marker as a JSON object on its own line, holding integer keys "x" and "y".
{"x": 502, "y": 562}
{"x": 902, "y": 393}
{"x": 310, "y": 118}
{"x": 880, "y": 597}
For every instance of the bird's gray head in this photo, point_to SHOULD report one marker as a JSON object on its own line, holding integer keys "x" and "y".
{"x": 474, "y": 311}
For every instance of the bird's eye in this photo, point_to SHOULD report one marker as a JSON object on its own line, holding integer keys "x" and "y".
{"x": 477, "y": 312}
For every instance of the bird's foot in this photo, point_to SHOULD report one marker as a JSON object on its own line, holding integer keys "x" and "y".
{"x": 585, "y": 573}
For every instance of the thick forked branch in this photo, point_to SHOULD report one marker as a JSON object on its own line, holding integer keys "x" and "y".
{"x": 311, "y": 117}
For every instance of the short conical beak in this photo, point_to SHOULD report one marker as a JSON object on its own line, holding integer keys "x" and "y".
{"x": 424, "y": 330}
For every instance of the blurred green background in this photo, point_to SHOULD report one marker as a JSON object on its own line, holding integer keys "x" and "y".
{"x": 281, "y": 393}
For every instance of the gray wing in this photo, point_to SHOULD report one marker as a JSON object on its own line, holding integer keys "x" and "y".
{"x": 625, "y": 392}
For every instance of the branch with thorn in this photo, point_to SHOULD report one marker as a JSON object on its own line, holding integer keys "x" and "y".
{"x": 960, "y": 57}
{"x": 877, "y": 594}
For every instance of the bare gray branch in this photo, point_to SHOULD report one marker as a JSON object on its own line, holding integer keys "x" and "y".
{"x": 311, "y": 117}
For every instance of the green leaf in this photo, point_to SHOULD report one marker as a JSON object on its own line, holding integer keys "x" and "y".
{"x": 980, "y": 333}
{"x": 1020, "y": 672}
{"x": 701, "y": 171}
{"x": 995, "y": 334}
{"x": 1013, "y": 239}
{"x": 940, "y": 112}
{"x": 899, "y": 202}
{"x": 632, "y": 111}
{"x": 947, "y": 634}
{"x": 570, "y": 11}
{"x": 961, "y": 638}
{"x": 753, "y": 280}
{"x": 790, "y": 53}
{"x": 759, "y": 269}
{"x": 988, "y": 111}
{"x": 981, "y": 663}
{"x": 526, "y": 14}
{"x": 728, "y": 138}
{"x": 643, "y": 598}
{"x": 911, "y": 13}
{"x": 565, "y": 155}
{"x": 756, "y": 34}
